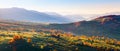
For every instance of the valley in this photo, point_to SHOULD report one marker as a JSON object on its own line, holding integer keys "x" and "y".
{"x": 100, "y": 34}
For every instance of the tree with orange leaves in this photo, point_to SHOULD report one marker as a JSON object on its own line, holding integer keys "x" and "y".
{"x": 29, "y": 40}
{"x": 18, "y": 43}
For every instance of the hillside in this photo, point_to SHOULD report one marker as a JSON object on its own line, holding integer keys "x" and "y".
{"x": 108, "y": 26}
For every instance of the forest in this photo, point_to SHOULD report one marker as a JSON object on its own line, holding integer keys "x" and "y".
{"x": 54, "y": 41}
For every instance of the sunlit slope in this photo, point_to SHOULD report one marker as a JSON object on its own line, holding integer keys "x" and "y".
{"x": 103, "y": 26}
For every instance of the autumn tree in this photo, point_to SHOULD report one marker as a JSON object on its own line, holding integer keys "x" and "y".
{"x": 19, "y": 44}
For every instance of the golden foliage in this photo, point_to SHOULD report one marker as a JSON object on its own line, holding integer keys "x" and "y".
{"x": 29, "y": 40}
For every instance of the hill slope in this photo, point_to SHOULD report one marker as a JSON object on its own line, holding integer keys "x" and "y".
{"x": 103, "y": 26}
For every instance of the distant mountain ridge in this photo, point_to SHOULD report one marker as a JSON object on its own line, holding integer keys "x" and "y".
{"x": 20, "y": 14}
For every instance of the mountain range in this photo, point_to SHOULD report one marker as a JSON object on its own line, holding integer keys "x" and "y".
{"x": 20, "y": 14}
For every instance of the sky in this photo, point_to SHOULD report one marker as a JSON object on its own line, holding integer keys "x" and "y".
{"x": 65, "y": 7}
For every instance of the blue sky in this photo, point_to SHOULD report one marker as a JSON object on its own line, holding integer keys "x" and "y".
{"x": 65, "y": 7}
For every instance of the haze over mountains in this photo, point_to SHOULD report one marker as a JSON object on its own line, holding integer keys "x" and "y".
{"x": 20, "y": 14}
